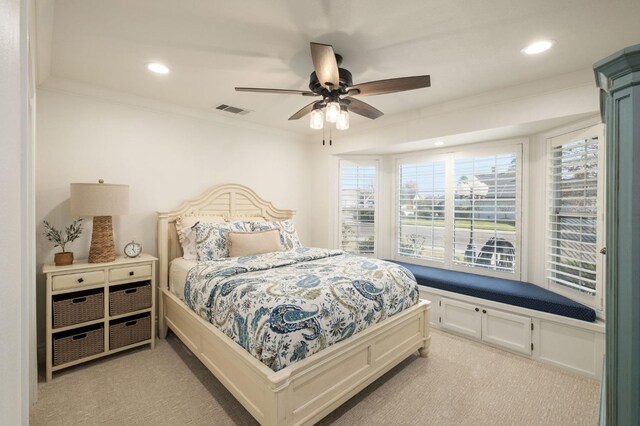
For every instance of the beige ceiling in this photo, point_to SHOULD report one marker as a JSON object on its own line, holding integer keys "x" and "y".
{"x": 468, "y": 47}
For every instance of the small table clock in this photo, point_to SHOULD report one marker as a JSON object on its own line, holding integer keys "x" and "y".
{"x": 133, "y": 249}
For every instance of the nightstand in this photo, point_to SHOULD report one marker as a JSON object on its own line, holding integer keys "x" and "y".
{"x": 97, "y": 309}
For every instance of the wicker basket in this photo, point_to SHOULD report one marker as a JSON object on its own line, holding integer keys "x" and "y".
{"x": 77, "y": 308}
{"x": 80, "y": 344}
{"x": 129, "y": 331}
{"x": 130, "y": 298}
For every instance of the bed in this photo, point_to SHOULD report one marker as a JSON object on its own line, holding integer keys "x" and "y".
{"x": 300, "y": 393}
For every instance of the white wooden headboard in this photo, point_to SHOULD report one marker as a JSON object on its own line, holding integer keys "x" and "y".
{"x": 225, "y": 200}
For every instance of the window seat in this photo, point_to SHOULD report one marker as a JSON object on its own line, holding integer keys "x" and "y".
{"x": 517, "y": 293}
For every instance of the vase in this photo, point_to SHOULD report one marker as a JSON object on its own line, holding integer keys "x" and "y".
{"x": 63, "y": 258}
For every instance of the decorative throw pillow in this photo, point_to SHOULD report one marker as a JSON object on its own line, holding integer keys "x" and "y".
{"x": 189, "y": 243}
{"x": 211, "y": 239}
{"x": 288, "y": 235}
{"x": 187, "y": 222}
{"x": 250, "y": 243}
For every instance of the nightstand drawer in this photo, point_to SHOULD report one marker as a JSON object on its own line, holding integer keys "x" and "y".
{"x": 79, "y": 343}
{"x": 127, "y": 331}
{"x": 126, "y": 298}
{"x": 77, "y": 307}
{"x": 62, "y": 282}
{"x": 120, "y": 274}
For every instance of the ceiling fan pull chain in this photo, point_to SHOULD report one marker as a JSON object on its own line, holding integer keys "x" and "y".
{"x": 330, "y": 141}
{"x": 322, "y": 135}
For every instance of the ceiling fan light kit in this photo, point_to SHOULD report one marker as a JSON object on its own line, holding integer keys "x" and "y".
{"x": 342, "y": 123}
{"x": 335, "y": 86}
{"x": 333, "y": 111}
{"x": 317, "y": 118}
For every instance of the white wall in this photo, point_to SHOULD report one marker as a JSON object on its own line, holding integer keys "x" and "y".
{"x": 165, "y": 157}
{"x": 14, "y": 196}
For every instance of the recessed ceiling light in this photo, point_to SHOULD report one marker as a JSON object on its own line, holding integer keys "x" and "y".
{"x": 158, "y": 68}
{"x": 538, "y": 47}
{"x": 438, "y": 143}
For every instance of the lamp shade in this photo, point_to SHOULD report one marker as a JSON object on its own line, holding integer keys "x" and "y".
{"x": 99, "y": 199}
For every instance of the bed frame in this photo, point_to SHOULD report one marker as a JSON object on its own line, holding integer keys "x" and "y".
{"x": 302, "y": 393}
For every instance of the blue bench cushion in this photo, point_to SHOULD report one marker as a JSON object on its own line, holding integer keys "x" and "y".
{"x": 517, "y": 293}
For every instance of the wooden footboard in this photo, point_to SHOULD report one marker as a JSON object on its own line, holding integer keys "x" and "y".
{"x": 304, "y": 392}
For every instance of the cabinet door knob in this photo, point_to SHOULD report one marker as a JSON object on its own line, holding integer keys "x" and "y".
{"x": 130, "y": 273}
{"x": 80, "y": 280}
{"x": 484, "y": 311}
{"x": 477, "y": 309}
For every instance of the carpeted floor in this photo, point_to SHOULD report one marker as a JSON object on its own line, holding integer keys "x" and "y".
{"x": 461, "y": 383}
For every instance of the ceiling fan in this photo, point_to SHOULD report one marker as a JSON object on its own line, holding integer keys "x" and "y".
{"x": 335, "y": 86}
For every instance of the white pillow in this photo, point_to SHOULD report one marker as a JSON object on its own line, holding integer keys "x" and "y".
{"x": 190, "y": 221}
{"x": 189, "y": 243}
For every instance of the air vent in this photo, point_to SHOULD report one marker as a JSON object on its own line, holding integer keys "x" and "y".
{"x": 232, "y": 109}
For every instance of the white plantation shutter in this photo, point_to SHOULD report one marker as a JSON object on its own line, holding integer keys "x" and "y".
{"x": 574, "y": 205}
{"x": 358, "y": 198}
{"x": 485, "y": 227}
{"x": 421, "y": 202}
{"x": 461, "y": 210}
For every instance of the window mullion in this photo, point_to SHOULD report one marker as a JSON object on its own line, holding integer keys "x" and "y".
{"x": 449, "y": 215}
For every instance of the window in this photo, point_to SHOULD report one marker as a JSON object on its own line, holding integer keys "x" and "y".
{"x": 484, "y": 229}
{"x": 575, "y": 214}
{"x": 421, "y": 231}
{"x": 461, "y": 210}
{"x": 358, "y": 194}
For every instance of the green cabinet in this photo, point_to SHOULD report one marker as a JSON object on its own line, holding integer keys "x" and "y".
{"x": 618, "y": 77}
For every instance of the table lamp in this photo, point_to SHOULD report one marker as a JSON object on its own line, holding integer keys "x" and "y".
{"x": 101, "y": 201}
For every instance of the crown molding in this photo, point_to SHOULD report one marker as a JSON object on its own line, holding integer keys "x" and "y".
{"x": 77, "y": 88}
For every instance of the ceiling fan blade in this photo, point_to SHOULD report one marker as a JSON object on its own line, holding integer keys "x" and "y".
{"x": 391, "y": 85}
{"x": 362, "y": 108}
{"x": 279, "y": 91}
{"x": 304, "y": 111}
{"x": 325, "y": 64}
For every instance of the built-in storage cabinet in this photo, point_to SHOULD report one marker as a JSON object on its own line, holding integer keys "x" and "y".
{"x": 96, "y": 309}
{"x": 492, "y": 326}
{"x": 507, "y": 330}
{"x": 460, "y": 317}
{"x": 567, "y": 343}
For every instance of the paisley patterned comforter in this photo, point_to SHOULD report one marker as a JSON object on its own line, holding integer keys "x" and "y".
{"x": 284, "y": 306}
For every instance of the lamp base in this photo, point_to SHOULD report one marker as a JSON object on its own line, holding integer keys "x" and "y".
{"x": 102, "y": 247}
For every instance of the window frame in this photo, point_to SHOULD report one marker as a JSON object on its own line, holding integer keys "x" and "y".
{"x": 449, "y": 155}
{"x": 597, "y": 300}
{"x": 363, "y": 161}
